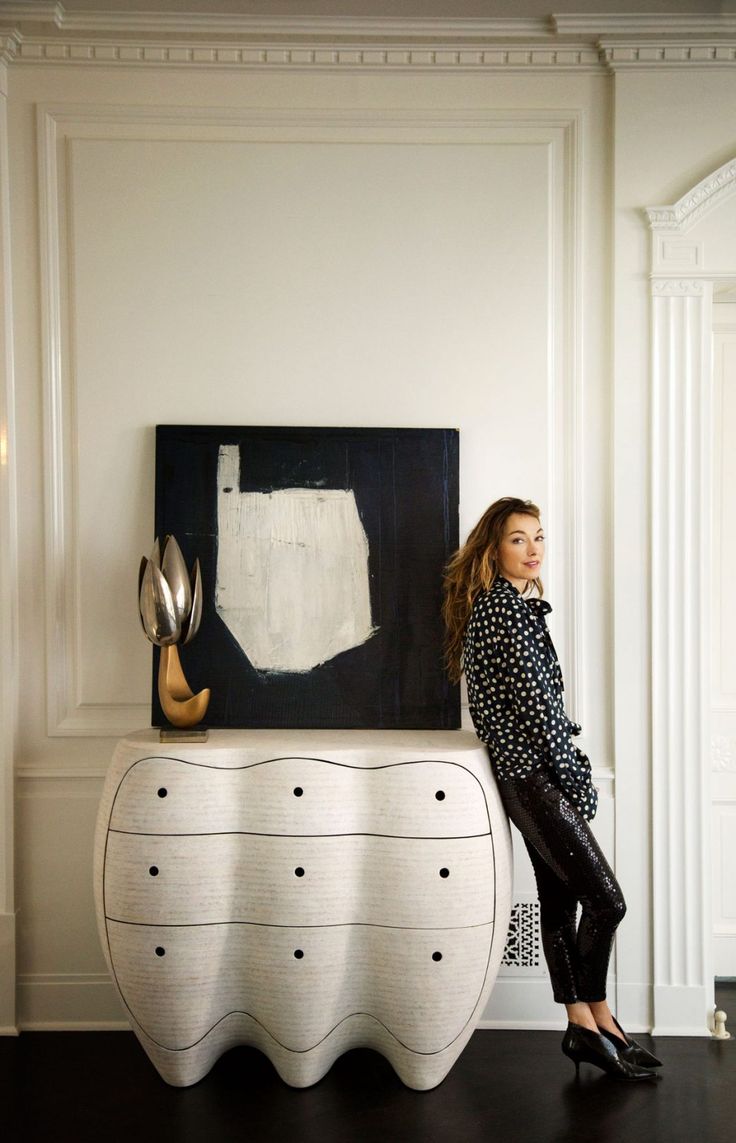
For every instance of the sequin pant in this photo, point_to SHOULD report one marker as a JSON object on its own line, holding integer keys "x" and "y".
{"x": 569, "y": 868}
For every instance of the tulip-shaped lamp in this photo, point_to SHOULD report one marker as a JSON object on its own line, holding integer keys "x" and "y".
{"x": 170, "y": 602}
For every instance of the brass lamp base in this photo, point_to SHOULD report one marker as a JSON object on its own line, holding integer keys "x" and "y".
{"x": 182, "y": 708}
{"x": 167, "y": 734}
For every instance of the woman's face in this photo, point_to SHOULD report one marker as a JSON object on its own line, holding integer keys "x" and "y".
{"x": 521, "y": 552}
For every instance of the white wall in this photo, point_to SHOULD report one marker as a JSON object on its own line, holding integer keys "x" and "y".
{"x": 285, "y": 246}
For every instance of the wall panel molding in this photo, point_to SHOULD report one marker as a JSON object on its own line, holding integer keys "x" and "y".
{"x": 32, "y": 781}
{"x": 58, "y": 126}
{"x": 9, "y": 637}
{"x": 723, "y": 753}
{"x": 8, "y": 1019}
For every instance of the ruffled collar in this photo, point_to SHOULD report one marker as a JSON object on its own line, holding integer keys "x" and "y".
{"x": 538, "y": 606}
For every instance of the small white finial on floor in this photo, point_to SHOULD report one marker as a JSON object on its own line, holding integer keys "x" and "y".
{"x": 719, "y": 1032}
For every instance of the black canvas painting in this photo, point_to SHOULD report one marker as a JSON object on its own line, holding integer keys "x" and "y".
{"x": 321, "y": 553}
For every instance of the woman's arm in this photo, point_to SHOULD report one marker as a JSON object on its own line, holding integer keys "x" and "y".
{"x": 535, "y": 698}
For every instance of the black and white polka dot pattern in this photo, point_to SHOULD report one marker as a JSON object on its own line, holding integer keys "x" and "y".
{"x": 515, "y": 692}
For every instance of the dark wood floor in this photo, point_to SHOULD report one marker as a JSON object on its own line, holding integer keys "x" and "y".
{"x": 507, "y": 1086}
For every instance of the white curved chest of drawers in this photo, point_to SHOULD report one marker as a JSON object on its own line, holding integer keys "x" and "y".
{"x": 303, "y": 892}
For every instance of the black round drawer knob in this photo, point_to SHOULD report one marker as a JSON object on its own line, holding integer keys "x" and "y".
{"x": 160, "y": 951}
{"x": 153, "y": 871}
{"x": 298, "y": 953}
{"x": 298, "y": 791}
{"x": 436, "y": 956}
{"x": 162, "y": 792}
{"x": 440, "y": 795}
{"x": 299, "y": 872}
{"x": 444, "y": 872}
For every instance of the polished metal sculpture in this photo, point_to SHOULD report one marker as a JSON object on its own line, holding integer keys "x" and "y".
{"x": 170, "y": 603}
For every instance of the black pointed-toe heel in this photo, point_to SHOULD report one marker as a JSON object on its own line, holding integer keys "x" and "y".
{"x": 630, "y": 1050}
{"x": 583, "y": 1046}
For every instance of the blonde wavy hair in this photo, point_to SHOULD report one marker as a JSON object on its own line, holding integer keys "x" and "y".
{"x": 474, "y": 568}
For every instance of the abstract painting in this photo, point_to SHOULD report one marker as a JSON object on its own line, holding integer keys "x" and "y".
{"x": 322, "y": 552}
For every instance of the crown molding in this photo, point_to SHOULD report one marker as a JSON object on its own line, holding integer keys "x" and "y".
{"x": 47, "y": 33}
{"x": 344, "y": 57}
{"x": 32, "y": 13}
{"x": 619, "y": 55}
{"x": 9, "y": 43}
{"x": 583, "y": 25}
{"x": 643, "y": 24}
{"x": 326, "y": 28}
{"x": 252, "y": 26}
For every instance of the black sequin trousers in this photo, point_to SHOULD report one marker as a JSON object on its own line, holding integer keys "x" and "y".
{"x": 569, "y": 868}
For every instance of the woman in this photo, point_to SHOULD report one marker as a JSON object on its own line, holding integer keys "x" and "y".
{"x": 497, "y": 633}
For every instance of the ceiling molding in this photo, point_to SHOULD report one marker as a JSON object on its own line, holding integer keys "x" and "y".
{"x": 32, "y": 13}
{"x": 344, "y": 57}
{"x": 9, "y": 42}
{"x": 385, "y": 28}
{"x": 659, "y": 54}
{"x": 48, "y": 34}
{"x": 641, "y": 24}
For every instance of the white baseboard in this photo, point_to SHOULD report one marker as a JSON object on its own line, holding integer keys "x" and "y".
{"x": 633, "y": 1006}
{"x": 526, "y": 1003}
{"x": 683, "y": 1011}
{"x": 88, "y": 1002}
{"x": 523, "y": 1002}
{"x": 68, "y": 1002}
{"x": 522, "y": 1025}
{"x": 80, "y": 1026}
{"x": 8, "y": 1026}
{"x": 724, "y": 954}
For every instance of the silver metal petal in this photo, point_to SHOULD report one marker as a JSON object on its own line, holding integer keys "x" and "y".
{"x": 195, "y": 615}
{"x": 141, "y": 572}
{"x": 177, "y": 577}
{"x": 158, "y": 610}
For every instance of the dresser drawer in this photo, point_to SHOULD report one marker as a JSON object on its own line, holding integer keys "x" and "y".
{"x": 300, "y": 796}
{"x": 354, "y": 879}
{"x": 300, "y": 983}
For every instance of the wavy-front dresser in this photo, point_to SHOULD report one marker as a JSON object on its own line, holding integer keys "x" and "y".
{"x": 305, "y": 893}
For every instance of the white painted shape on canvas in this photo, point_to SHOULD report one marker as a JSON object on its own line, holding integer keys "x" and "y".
{"x": 292, "y": 571}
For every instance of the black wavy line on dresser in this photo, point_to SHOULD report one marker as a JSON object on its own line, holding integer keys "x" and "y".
{"x": 303, "y": 1051}
{"x": 350, "y": 833}
{"x": 294, "y": 758}
{"x": 289, "y": 758}
{"x": 299, "y": 758}
{"x": 271, "y": 925}
{"x": 328, "y": 762}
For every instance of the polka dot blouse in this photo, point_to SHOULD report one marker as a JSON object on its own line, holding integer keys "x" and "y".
{"x": 515, "y": 691}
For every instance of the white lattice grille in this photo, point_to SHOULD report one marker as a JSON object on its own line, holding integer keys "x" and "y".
{"x": 523, "y": 944}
